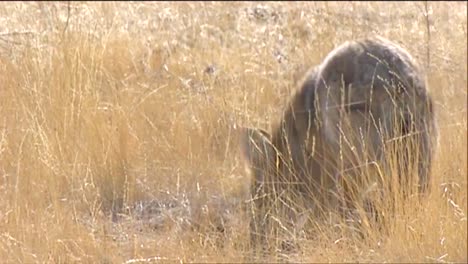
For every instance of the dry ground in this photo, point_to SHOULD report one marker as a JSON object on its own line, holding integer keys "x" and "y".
{"x": 118, "y": 125}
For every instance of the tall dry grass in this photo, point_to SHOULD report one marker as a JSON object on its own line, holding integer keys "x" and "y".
{"x": 118, "y": 125}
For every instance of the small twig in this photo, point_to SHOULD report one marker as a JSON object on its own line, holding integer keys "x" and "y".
{"x": 68, "y": 18}
{"x": 428, "y": 35}
{"x": 17, "y": 33}
{"x": 11, "y": 42}
{"x": 151, "y": 259}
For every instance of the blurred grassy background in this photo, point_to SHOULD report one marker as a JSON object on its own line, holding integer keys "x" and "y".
{"x": 118, "y": 124}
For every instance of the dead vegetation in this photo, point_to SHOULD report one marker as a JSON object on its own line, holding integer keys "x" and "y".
{"x": 118, "y": 126}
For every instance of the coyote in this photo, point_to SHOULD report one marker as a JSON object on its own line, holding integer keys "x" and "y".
{"x": 365, "y": 110}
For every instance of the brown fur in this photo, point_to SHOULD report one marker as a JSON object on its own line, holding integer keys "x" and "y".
{"x": 367, "y": 99}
